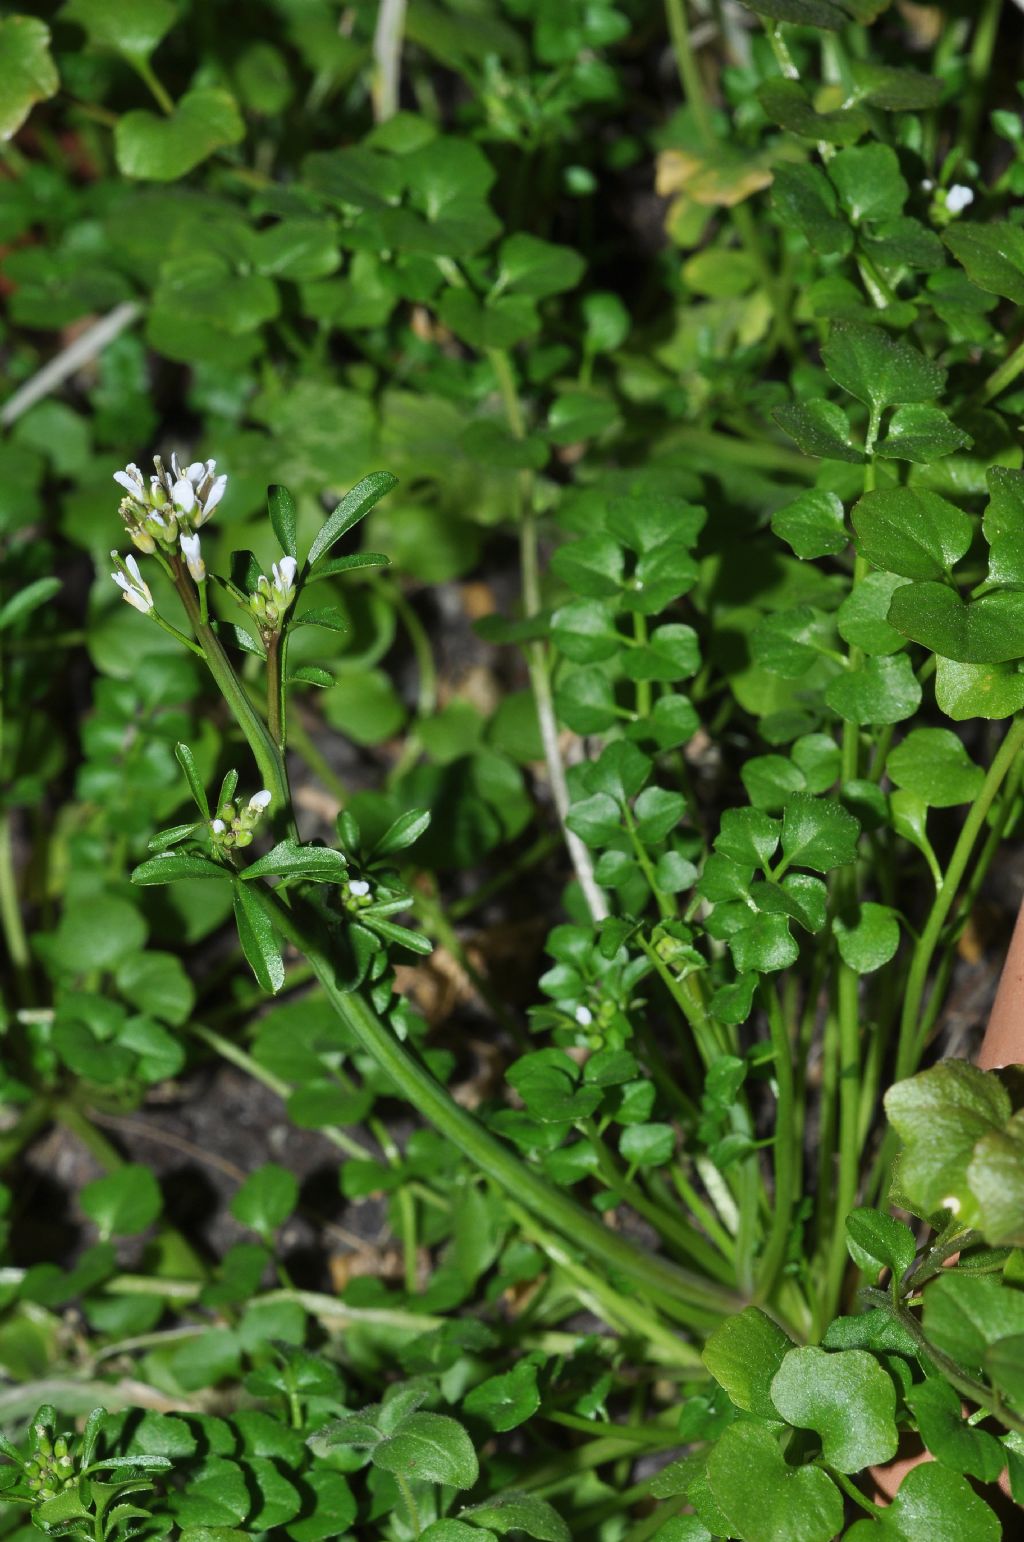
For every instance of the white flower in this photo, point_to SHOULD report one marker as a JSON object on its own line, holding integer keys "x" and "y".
{"x": 207, "y": 490}
{"x": 959, "y": 198}
{"x": 131, "y": 480}
{"x": 183, "y": 496}
{"x": 358, "y": 887}
{"x": 218, "y": 826}
{"x": 259, "y": 801}
{"x": 136, "y": 590}
{"x": 284, "y": 577}
{"x": 192, "y": 554}
{"x": 584, "y": 1016}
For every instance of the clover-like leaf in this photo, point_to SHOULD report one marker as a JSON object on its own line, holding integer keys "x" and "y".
{"x": 520, "y": 1512}
{"x": 820, "y": 428}
{"x": 132, "y": 28}
{"x": 812, "y": 524}
{"x": 882, "y": 690}
{"x": 911, "y": 532}
{"x": 846, "y": 1397}
{"x": 743, "y": 1354}
{"x": 877, "y": 370}
{"x": 989, "y": 630}
{"x": 964, "y": 691}
{"x": 940, "y": 1115}
{"x": 995, "y": 1175}
{"x": 992, "y": 254}
{"x": 762, "y": 1497}
{"x": 928, "y": 1496}
{"x": 158, "y": 149}
{"x": 921, "y": 433}
{"x": 818, "y": 833}
{"x": 876, "y": 1241}
{"x": 124, "y": 1202}
{"x": 870, "y": 187}
{"x": 27, "y": 71}
{"x": 870, "y": 941}
{"x": 937, "y": 1409}
{"x": 934, "y": 763}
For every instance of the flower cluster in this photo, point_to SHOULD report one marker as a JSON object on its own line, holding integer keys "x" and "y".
{"x": 271, "y": 598}
{"x": 165, "y": 516}
{"x": 233, "y": 827}
{"x": 51, "y": 1469}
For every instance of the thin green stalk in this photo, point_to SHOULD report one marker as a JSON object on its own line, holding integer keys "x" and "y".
{"x": 11, "y": 918}
{"x": 145, "y": 71}
{"x": 410, "y": 1503}
{"x": 689, "y": 71}
{"x": 786, "y": 1152}
{"x": 911, "y": 1037}
{"x": 276, "y": 709}
{"x": 536, "y": 652}
{"x": 691, "y": 1295}
{"x": 268, "y": 756}
{"x": 1004, "y": 376}
{"x": 849, "y": 1138}
{"x": 671, "y": 1227}
{"x": 979, "y": 62}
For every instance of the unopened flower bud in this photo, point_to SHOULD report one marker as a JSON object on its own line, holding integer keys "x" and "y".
{"x": 190, "y": 550}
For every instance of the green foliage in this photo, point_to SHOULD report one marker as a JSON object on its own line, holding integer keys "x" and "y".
{"x": 612, "y": 808}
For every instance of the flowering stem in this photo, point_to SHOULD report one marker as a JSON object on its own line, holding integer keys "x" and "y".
{"x": 692, "y": 1298}
{"x": 269, "y": 758}
{"x": 275, "y": 692}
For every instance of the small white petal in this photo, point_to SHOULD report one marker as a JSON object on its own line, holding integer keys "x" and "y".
{"x": 284, "y": 574}
{"x": 140, "y": 602}
{"x": 133, "y": 567}
{"x": 959, "y": 198}
{"x": 183, "y": 495}
{"x": 121, "y": 582}
{"x": 195, "y": 472}
{"x": 584, "y": 1016}
{"x": 131, "y": 483}
{"x": 260, "y": 800}
{"x": 215, "y": 494}
{"x": 359, "y": 887}
{"x": 951, "y": 1203}
{"x": 175, "y": 467}
{"x": 218, "y": 826}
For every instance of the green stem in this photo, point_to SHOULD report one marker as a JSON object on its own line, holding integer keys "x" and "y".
{"x": 536, "y": 652}
{"x": 10, "y": 911}
{"x": 1005, "y": 375}
{"x": 911, "y": 1038}
{"x": 849, "y": 1138}
{"x": 687, "y": 1239}
{"x": 689, "y": 71}
{"x": 787, "y": 1159}
{"x": 979, "y": 62}
{"x": 276, "y": 712}
{"x": 145, "y": 71}
{"x": 410, "y": 1502}
{"x": 692, "y": 1295}
{"x": 268, "y": 756}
